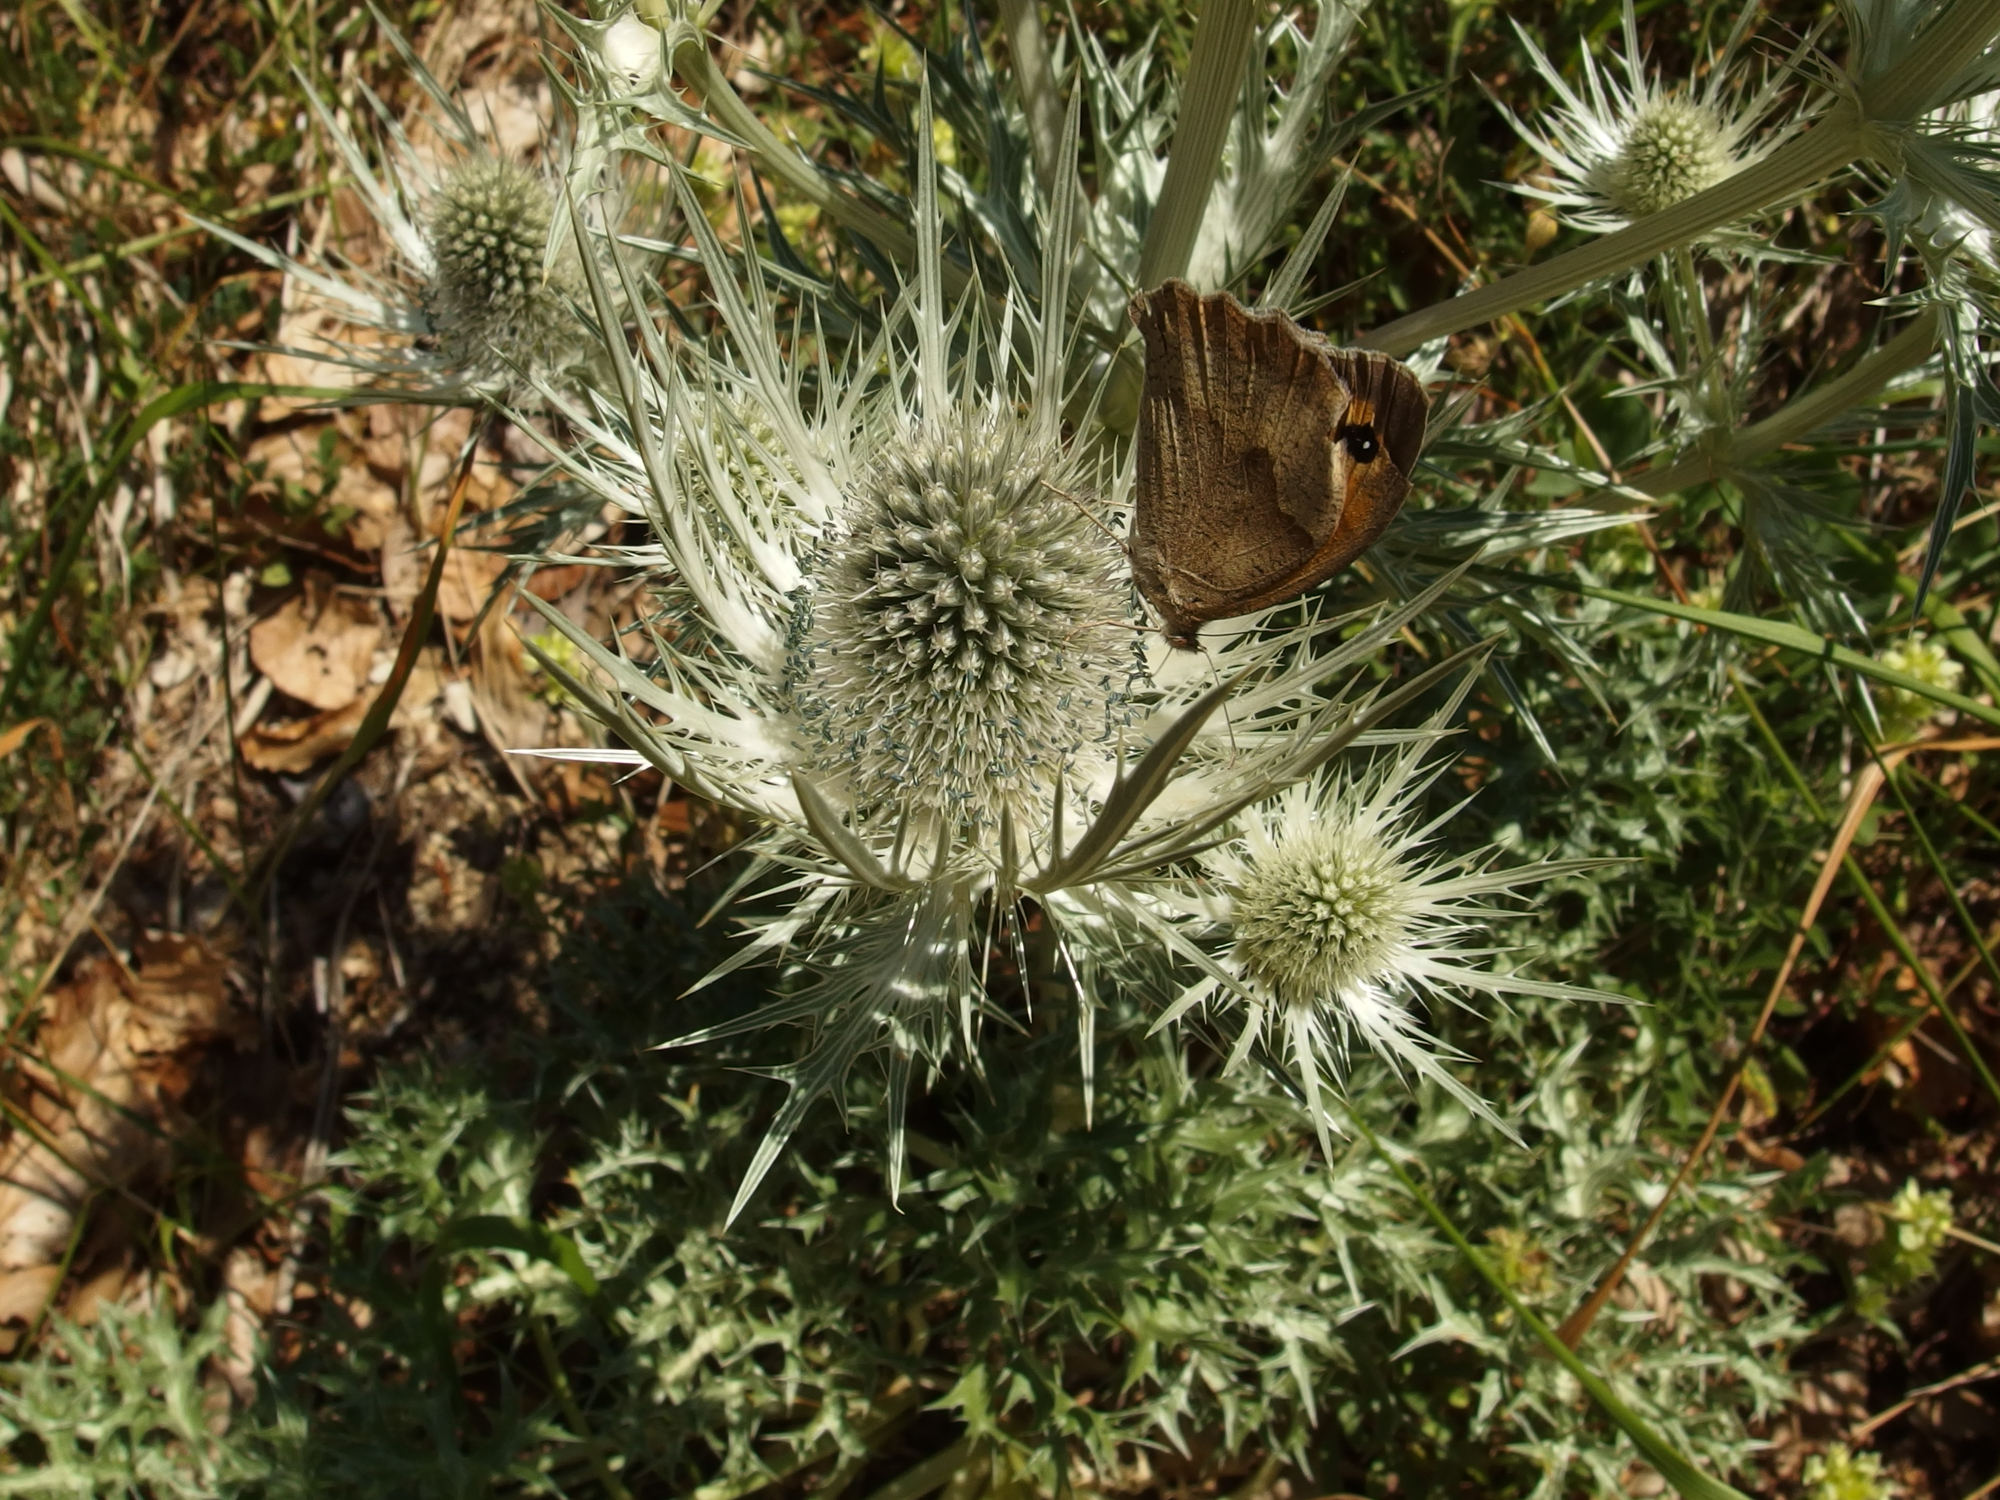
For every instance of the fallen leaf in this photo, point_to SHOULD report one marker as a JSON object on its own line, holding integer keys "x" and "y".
{"x": 552, "y": 583}
{"x": 294, "y": 746}
{"x": 108, "y": 1285}
{"x": 318, "y": 655}
{"x": 469, "y": 576}
{"x": 288, "y": 457}
{"x": 97, "y": 1098}
{"x": 373, "y": 502}
{"x": 24, "y": 1293}
{"x": 302, "y": 335}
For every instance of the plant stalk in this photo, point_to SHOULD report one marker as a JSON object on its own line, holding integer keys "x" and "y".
{"x": 1803, "y": 416}
{"x": 1934, "y": 60}
{"x": 1222, "y": 38}
{"x": 1022, "y": 21}
{"x": 1792, "y": 169}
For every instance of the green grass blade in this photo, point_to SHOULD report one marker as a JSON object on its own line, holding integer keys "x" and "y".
{"x": 1787, "y": 637}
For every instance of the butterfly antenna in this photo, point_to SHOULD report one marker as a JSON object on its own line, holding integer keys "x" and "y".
{"x": 1215, "y": 670}
{"x": 1088, "y": 514}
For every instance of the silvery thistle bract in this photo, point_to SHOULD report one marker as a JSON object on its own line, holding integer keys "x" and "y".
{"x": 910, "y": 656}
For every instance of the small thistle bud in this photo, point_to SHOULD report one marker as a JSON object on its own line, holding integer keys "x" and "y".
{"x": 632, "y": 51}
{"x": 1673, "y": 149}
{"x": 1543, "y": 227}
{"x": 960, "y": 650}
{"x": 490, "y": 304}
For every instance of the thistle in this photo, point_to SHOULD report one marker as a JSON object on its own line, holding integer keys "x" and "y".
{"x": 1623, "y": 149}
{"x": 477, "y": 293}
{"x": 1334, "y": 921}
{"x": 917, "y": 664}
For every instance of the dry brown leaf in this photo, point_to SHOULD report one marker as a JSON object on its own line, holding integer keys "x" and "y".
{"x": 250, "y": 1287}
{"x": 318, "y": 655}
{"x": 101, "y": 1089}
{"x": 469, "y": 577}
{"x": 295, "y": 746}
{"x": 373, "y": 502}
{"x": 25, "y": 1292}
{"x": 288, "y": 457}
{"x": 305, "y": 332}
{"x": 552, "y": 583}
{"x": 403, "y": 565}
{"x": 106, "y": 1286}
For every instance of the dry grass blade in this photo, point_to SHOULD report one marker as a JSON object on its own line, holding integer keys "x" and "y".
{"x": 1883, "y": 1418}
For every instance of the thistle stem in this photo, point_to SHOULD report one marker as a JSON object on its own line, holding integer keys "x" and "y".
{"x": 1933, "y": 61}
{"x": 1789, "y": 171}
{"x": 1222, "y": 38}
{"x": 1866, "y": 125}
{"x": 1022, "y": 21}
{"x": 1803, "y": 416}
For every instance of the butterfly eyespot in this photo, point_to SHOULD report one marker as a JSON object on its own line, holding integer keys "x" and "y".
{"x": 1360, "y": 443}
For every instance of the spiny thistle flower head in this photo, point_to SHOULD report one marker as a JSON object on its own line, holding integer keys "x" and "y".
{"x": 489, "y": 301}
{"x": 1625, "y": 148}
{"x": 1334, "y": 918}
{"x": 1673, "y": 148}
{"x": 475, "y": 294}
{"x": 908, "y": 655}
{"x": 1330, "y": 909}
{"x": 965, "y": 641}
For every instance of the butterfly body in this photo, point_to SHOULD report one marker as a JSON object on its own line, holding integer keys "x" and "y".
{"x": 1268, "y": 459}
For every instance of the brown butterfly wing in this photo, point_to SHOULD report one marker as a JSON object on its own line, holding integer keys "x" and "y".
{"x": 1239, "y": 478}
{"x": 1389, "y": 407}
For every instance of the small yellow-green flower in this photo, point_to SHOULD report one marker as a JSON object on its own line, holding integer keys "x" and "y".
{"x": 1904, "y": 713}
{"x": 1841, "y": 1475}
{"x": 1921, "y": 1224}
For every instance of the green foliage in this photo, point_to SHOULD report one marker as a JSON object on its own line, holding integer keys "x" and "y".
{"x": 524, "y": 1279}
{"x": 1180, "y": 1273}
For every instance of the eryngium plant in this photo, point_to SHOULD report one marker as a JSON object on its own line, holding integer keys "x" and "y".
{"x": 910, "y": 652}
{"x": 478, "y": 294}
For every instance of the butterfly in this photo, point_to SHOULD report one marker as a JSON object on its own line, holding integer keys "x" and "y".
{"x": 1268, "y": 459}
